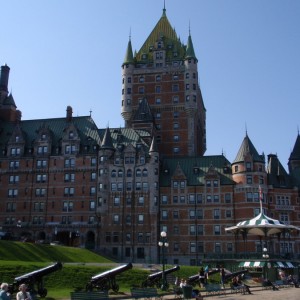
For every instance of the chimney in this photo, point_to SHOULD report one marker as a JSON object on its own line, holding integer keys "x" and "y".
{"x": 69, "y": 113}
{"x": 4, "y": 78}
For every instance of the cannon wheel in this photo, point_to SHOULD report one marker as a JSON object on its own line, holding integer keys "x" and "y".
{"x": 42, "y": 292}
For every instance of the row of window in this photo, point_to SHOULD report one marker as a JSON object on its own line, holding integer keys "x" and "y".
{"x": 42, "y": 164}
{"x": 195, "y": 214}
{"x": 39, "y": 220}
{"x": 249, "y": 167}
{"x": 41, "y": 178}
{"x": 196, "y": 198}
{"x": 138, "y": 173}
{"x": 41, "y": 192}
{"x": 159, "y": 77}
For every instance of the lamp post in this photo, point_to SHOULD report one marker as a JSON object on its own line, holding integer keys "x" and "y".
{"x": 265, "y": 257}
{"x": 163, "y": 243}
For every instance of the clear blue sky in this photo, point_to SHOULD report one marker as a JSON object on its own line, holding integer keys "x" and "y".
{"x": 69, "y": 52}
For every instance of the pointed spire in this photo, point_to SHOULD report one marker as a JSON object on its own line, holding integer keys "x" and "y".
{"x": 190, "y": 53}
{"x": 295, "y": 155}
{"x": 143, "y": 112}
{"x": 164, "y": 9}
{"x": 107, "y": 140}
{"x": 129, "y": 54}
{"x": 153, "y": 146}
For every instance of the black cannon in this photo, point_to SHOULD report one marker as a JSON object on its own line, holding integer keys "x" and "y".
{"x": 35, "y": 277}
{"x": 194, "y": 279}
{"x": 107, "y": 280}
{"x": 155, "y": 278}
{"x": 229, "y": 276}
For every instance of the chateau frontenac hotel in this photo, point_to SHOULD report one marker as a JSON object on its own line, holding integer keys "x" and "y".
{"x": 114, "y": 190}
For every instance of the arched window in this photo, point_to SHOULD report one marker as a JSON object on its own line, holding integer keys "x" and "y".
{"x": 129, "y": 173}
{"x": 120, "y": 173}
{"x": 145, "y": 173}
{"x": 113, "y": 173}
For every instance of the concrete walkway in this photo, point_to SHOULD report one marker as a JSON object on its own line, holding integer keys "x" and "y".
{"x": 289, "y": 293}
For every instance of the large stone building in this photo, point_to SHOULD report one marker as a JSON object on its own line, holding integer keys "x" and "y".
{"x": 115, "y": 190}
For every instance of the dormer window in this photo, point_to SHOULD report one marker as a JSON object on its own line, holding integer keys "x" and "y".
{"x": 71, "y": 135}
{"x": 17, "y": 139}
{"x": 43, "y": 137}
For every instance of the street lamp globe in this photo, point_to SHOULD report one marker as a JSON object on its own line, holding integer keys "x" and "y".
{"x": 163, "y": 234}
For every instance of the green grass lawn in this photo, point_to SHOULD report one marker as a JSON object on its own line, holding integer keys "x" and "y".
{"x": 79, "y": 265}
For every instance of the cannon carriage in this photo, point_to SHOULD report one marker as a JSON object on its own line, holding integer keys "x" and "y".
{"x": 35, "y": 278}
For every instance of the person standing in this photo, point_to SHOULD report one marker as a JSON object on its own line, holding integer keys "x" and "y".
{"x": 23, "y": 294}
{"x": 4, "y": 294}
{"x": 222, "y": 275}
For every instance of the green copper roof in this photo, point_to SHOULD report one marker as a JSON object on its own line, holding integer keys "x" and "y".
{"x": 196, "y": 168}
{"x": 190, "y": 53}
{"x": 87, "y": 130}
{"x": 162, "y": 31}
{"x": 128, "y": 56}
{"x": 126, "y": 136}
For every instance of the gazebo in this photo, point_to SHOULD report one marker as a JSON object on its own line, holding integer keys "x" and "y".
{"x": 264, "y": 227}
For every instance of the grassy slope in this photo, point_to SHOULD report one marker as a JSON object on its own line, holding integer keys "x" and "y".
{"x": 18, "y": 251}
{"x": 18, "y": 258}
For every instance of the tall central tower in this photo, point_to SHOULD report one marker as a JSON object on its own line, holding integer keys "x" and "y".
{"x": 161, "y": 92}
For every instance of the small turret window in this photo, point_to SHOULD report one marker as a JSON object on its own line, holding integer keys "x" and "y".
{"x": 129, "y": 79}
{"x": 187, "y": 75}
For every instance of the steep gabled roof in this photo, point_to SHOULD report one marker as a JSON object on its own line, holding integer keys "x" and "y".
{"x": 247, "y": 148}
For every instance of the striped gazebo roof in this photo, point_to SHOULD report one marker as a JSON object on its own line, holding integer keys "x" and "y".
{"x": 261, "y": 225}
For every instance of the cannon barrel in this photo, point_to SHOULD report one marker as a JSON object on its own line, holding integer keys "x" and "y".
{"x": 229, "y": 276}
{"x": 35, "y": 275}
{"x": 195, "y": 278}
{"x": 155, "y": 278}
{"x": 106, "y": 280}
{"x": 159, "y": 274}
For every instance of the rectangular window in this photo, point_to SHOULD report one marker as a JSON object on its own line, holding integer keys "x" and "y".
{"x": 217, "y": 229}
{"x": 164, "y": 199}
{"x": 192, "y": 230}
{"x": 191, "y": 198}
{"x": 200, "y": 229}
{"x": 164, "y": 214}
{"x": 217, "y": 248}
{"x": 227, "y": 198}
{"x": 140, "y": 219}
{"x": 200, "y": 214}
{"x": 192, "y": 247}
{"x": 216, "y": 214}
